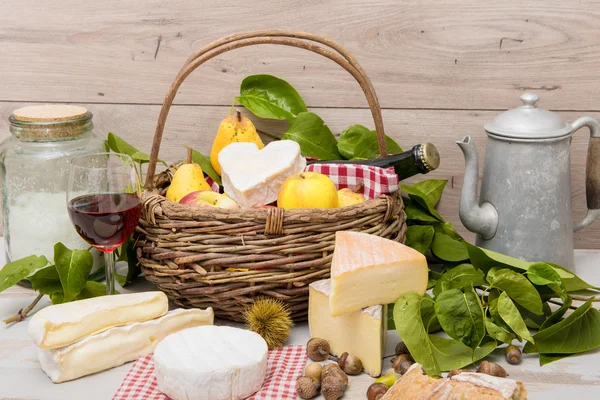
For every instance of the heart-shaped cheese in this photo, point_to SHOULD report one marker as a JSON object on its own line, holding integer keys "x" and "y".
{"x": 253, "y": 177}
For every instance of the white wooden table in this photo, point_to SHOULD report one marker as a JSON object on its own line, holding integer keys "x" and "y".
{"x": 22, "y": 378}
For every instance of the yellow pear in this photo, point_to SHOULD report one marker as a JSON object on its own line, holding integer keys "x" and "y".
{"x": 347, "y": 197}
{"x": 234, "y": 128}
{"x": 187, "y": 179}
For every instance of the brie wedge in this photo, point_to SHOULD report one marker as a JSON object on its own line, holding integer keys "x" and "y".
{"x": 63, "y": 324}
{"x": 117, "y": 345}
{"x": 253, "y": 177}
{"x": 211, "y": 363}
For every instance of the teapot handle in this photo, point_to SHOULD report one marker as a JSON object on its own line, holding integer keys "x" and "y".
{"x": 592, "y": 175}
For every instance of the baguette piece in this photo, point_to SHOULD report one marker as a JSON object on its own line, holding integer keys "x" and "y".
{"x": 62, "y": 324}
{"x": 415, "y": 385}
{"x": 117, "y": 345}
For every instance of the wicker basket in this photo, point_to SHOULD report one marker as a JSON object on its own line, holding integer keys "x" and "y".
{"x": 190, "y": 253}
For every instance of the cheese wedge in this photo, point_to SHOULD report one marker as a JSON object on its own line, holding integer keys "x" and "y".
{"x": 361, "y": 333}
{"x": 253, "y": 177}
{"x": 367, "y": 270}
{"x": 63, "y": 324}
{"x": 117, "y": 345}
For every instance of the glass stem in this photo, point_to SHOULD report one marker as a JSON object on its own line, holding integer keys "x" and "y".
{"x": 109, "y": 265}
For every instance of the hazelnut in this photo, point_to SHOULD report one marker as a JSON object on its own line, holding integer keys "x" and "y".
{"x": 513, "y": 354}
{"x": 350, "y": 364}
{"x": 402, "y": 349}
{"x": 398, "y": 360}
{"x": 405, "y": 366}
{"x": 318, "y": 349}
{"x": 332, "y": 388}
{"x": 313, "y": 371}
{"x": 457, "y": 372}
{"x": 376, "y": 391}
{"x": 306, "y": 387}
{"x": 492, "y": 369}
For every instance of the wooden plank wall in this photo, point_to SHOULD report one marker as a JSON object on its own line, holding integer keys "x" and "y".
{"x": 442, "y": 68}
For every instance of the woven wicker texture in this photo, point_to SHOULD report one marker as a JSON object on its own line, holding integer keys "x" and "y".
{"x": 213, "y": 257}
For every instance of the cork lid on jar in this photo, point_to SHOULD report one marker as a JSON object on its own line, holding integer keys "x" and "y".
{"x": 49, "y": 113}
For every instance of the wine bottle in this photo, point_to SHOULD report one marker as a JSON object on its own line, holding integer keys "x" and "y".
{"x": 421, "y": 159}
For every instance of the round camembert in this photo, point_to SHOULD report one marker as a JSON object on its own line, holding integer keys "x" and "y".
{"x": 211, "y": 363}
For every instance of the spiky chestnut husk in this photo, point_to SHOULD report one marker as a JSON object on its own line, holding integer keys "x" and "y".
{"x": 491, "y": 368}
{"x": 513, "y": 354}
{"x": 318, "y": 349}
{"x": 270, "y": 318}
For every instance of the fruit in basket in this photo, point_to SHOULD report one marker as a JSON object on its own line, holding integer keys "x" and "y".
{"x": 187, "y": 179}
{"x": 208, "y": 198}
{"x": 347, "y": 197}
{"x": 307, "y": 190}
{"x": 234, "y": 128}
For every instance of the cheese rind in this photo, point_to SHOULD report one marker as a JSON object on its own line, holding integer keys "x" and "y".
{"x": 253, "y": 177}
{"x": 117, "y": 345}
{"x": 62, "y": 324}
{"x": 211, "y": 363}
{"x": 368, "y": 270}
{"x": 361, "y": 333}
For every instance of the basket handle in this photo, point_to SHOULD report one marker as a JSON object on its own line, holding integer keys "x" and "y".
{"x": 301, "y": 40}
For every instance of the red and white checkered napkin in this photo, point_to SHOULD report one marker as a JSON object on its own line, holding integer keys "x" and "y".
{"x": 376, "y": 180}
{"x": 284, "y": 366}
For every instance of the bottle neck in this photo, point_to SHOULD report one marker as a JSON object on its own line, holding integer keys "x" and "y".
{"x": 50, "y": 132}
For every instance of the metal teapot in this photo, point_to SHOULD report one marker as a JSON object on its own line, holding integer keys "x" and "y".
{"x": 524, "y": 208}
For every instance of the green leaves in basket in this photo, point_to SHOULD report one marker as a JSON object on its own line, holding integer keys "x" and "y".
{"x": 269, "y": 97}
{"x": 119, "y": 145}
{"x": 206, "y": 166}
{"x": 15, "y": 271}
{"x": 359, "y": 143}
{"x": 313, "y": 136}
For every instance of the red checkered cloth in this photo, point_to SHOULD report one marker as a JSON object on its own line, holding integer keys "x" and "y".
{"x": 376, "y": 180}
{"x": 284, "y": 366}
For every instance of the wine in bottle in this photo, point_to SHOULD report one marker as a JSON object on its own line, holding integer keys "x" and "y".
{"x": 421, "y": 159}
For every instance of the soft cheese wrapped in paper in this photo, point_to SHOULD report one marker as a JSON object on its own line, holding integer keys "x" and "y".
{"x": 253, "y": 177}
{"x": 211, "y": 363}
{"x": 63, "y": 324}
{"x": 117, "y": 345}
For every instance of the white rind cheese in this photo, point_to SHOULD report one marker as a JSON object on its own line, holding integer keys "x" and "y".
{"x": 211, "y": 363}
{"x": 253, "y": 177}
{"x": 361, "y": 333}
{"x": 63, "y": 324}
{"x": 367, "y": 270}
{"x": 117, "y": 345}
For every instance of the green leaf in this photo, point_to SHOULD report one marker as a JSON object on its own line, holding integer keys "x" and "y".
{"x": 486, "y": 259}
{"x": 358, "y": 142}
{"x": 498, "y": 333}
{"x": 46, "y": 280}
{"x": 267, "y": 96}
{"x": 419, "y": 237}
{"x": 391, "y": 325}
{"x": 461, "y": 316}
{"x": 459, "y": 277}
{"x": 558, "y": 314}
{"x": 451, "y": 354}
{"x": 57, "y": 298}
{"x": 495, "y": 316}
{"x": 577, "y": 333}
{"x": 128, "y": 255}
{"x": 518, "y": 288}
{"x": 510, "y": 314}
{"x": 73, "y": 268}
{"x": 206, "y": 166}
{"x": 543, "y": 274}
{"x": 548, "y": 358}
{"x": 92, "y": 289}
{"x": 313, "y": 136}
{"x": 532, "y": 320}
{"x": 432, "y": 189}
{"x": 15, "y": 271}
{"x": 414, "y": 212}
{"x": 422, "y": 199}
{"x": 430, "y": 320}
{"x": 409, "y": 325}
{"x": 448, "y": 249}
{"x": 119, "y": 145}
{"x": 448, "y": 229}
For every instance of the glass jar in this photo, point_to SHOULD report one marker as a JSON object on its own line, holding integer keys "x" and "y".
{"x": 34, "y": 167}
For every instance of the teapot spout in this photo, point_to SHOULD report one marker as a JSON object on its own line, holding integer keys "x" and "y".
{"x": 481, "y": 219}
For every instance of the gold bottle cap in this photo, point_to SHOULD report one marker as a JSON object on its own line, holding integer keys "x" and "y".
{"x": 430, "y": 157}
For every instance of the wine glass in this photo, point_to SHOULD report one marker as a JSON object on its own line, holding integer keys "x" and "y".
{"x": 103, "y": 199}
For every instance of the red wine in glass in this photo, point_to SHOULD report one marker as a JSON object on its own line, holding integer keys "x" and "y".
{"x": 105, "y": 220}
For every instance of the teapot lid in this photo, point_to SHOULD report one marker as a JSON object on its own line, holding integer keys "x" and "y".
{"x": 528, "y": 122}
